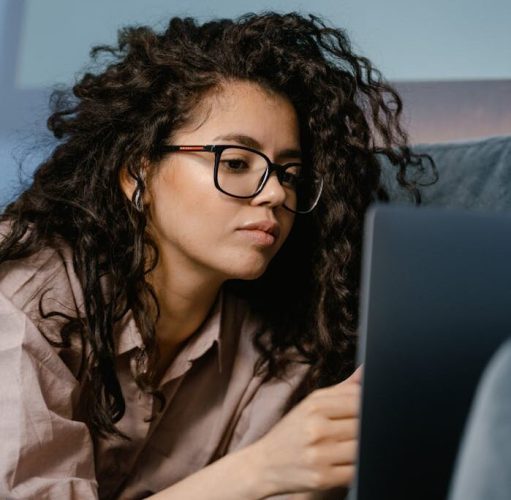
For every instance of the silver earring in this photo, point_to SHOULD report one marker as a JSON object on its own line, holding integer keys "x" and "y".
{"x": 137, "y": 195}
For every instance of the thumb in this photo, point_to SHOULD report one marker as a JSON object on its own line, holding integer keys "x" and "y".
{"x": 356, "y": 376}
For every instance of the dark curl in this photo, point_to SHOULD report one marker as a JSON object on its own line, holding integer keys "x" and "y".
{"x": 118, "y": 117}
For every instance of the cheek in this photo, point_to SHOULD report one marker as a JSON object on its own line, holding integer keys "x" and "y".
{"x": 185, "y": 204}
{"x": 287, "y": 223}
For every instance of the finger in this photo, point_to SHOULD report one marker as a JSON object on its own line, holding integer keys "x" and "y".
{"x": 339, "y": 390}
{"x": 334, "y": 406}
{"x": 344, "y": 429}
{"x": 355, "y": 377}
{"x": 330, "y": 455}
{"x": 333, "y": 476}
{"x": 341, "y": 453}
{"x": 333, "y": 431}
{"x": 339, "y": 475}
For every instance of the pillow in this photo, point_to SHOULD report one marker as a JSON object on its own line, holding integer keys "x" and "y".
{"x": 472, "y": 174}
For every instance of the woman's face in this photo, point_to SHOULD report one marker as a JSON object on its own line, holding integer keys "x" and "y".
{"x": 195, "y": 224}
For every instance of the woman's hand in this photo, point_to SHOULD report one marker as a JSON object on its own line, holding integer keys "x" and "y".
{"x": 314, "y": 446}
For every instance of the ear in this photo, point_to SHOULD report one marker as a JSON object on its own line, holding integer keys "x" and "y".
{"x": 128, "y": 183}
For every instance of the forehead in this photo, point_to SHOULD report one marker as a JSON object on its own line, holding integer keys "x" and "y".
{"x": 244, "y": 108}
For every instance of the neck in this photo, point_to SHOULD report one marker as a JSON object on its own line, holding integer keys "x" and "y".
{"x": 186, "y": 294}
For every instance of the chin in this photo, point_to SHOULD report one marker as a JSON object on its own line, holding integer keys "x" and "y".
{"x": 249, "y": 271}
{"x": 251, "y": 276}
{"x": 249, "y": 264}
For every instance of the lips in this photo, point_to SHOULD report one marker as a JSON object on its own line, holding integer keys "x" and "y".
{"x": 267, "y": 226}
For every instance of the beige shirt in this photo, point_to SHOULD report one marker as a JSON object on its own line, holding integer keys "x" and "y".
{"x": 214, "y": 405}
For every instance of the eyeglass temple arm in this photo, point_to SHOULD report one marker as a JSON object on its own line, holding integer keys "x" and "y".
{"x": 172, "y": 148}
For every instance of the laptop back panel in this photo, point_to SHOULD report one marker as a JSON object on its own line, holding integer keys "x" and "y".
{"x": 435, "y": 305}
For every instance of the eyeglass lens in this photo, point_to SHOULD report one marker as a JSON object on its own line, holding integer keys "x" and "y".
{"x": 241, "y": 172}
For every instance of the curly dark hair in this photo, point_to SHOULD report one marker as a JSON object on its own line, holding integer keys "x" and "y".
{"x": 119, "y": 117}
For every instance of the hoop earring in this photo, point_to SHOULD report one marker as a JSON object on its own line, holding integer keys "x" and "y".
{"x": 137, "y": 195}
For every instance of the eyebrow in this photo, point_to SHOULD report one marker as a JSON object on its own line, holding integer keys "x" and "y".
{"x": 250, "y": 142}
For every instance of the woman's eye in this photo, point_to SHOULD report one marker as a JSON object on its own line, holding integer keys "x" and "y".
{"x": 292, "y": 175}
{"x": 234, "y": 164}
{"x": 290, "y": 178}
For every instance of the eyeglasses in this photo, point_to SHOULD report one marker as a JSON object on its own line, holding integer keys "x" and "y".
{"x": 242, "y": 172}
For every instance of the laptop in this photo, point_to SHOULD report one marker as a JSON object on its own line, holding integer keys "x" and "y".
{"x": 435, "y": 305}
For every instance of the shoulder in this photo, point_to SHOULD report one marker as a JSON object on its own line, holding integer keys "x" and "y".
{"x": 40, "y": 393}
{"x": 47, "y": 274}
{"x": 42, "y": 282}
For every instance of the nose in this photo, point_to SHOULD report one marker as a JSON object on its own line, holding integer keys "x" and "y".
{"x": 273, "y": 193}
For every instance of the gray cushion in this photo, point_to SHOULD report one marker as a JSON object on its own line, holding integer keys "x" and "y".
{"x": 473, "y": 174}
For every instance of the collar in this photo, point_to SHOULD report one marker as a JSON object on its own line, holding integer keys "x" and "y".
{"x": 195, "y": 346}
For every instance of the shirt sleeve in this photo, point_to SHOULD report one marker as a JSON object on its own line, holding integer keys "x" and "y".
{"x": 44, "y": 453}
{"x": 269, "y": 405}
{"x": 266, "y": 408}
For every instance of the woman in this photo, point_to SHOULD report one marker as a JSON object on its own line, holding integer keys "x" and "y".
{"x": 183, "y": 270}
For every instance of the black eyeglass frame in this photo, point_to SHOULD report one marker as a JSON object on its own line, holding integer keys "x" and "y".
{"x": 218, "y": 149}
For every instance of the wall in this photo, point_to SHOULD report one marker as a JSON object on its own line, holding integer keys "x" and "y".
{"x": 450, "y": 60}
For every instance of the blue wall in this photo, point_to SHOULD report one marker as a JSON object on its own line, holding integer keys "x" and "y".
{"x": 46, "y": 42}
{"x": 408, "y": 39}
